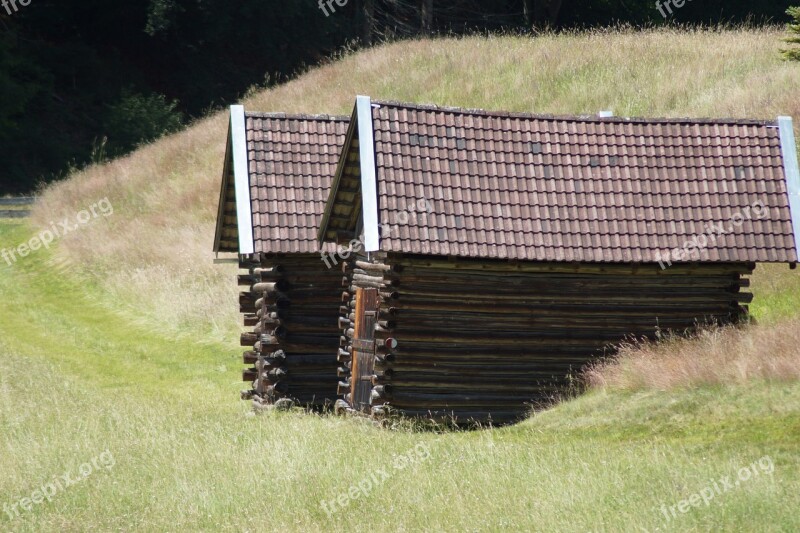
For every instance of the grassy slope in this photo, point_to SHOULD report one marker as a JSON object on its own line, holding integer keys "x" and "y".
{"x": 84, "y": 378}
{"x": 91, "y": 362}
{"x": 154, "y": 253}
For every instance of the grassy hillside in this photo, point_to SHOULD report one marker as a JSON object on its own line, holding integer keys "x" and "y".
{"x": 120, "y": 342}
{"x": 154, "y": 253}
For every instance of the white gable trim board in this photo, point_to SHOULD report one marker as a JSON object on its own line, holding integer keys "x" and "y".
{"x": 369, "y": 187}
{"x": 241, "y": 172}
{"x": 792, "y": 169}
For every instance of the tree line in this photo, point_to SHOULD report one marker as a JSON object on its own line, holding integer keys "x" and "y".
{"x": 83, "y": 80}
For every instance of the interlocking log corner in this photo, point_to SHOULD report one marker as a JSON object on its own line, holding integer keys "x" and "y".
{"x": 290, "y": 302}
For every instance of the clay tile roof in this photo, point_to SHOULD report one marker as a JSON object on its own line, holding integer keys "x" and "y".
{"x": 292, "y": 160}
{"x": 472, "y": 183}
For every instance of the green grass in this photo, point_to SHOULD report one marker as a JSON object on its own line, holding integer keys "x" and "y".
{"x": 80, "y": 375}
{"x": 122, "y": 351}
{"x": 777, "y": 293}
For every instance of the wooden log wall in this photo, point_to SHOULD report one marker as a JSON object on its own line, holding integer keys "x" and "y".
{"x": 291, "y": 305}
{"x": 485, "y": 340}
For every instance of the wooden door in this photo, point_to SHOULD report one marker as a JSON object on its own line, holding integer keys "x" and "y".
{"x": 367, "y": 304}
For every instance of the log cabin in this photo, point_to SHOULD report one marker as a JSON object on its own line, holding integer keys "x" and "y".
{"x": 546, "y": 241}
{"x": 277, "y": 174}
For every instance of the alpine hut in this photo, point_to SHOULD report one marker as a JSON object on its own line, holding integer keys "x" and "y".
{"x": 498, "y": 252}
{"x": 277, "y": 173}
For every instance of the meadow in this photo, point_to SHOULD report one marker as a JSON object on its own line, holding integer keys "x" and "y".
{"x": 121, "y": 339}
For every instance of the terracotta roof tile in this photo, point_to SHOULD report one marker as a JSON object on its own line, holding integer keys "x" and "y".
{"x": 579, "y": 188}
{"x": 292, "y": 161}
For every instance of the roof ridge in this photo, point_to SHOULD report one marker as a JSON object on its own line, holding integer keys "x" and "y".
{"x": 297, "y": 116}
{"x": 576, "y": 118}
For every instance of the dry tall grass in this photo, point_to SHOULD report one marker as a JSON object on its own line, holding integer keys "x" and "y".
{"x": 715, "y": 356}
{"x": 154, "y": 253}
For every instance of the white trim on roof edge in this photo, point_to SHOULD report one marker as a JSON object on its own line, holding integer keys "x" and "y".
{"x": 789, "y": 150}
{"x": 369, "y": 186}
{"x": 241, "y": 173}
